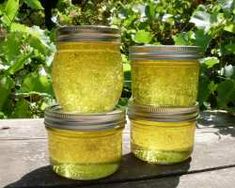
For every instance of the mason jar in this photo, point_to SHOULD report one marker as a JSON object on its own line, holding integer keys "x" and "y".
{"x": 162, "y": 135}
{"x": 87, "y": 72}
{"x": 84, "y": 147}
{"x": 165, "y": 75}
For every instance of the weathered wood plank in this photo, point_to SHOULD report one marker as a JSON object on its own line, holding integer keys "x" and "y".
{"x": 216, "y": 119}
{"x": 27, "y": 171}
{"x": 210, "y": 179}
{"x": 27, "y": 164}
{"x": 22, "y": 129}
{"x": 29, "y": 159}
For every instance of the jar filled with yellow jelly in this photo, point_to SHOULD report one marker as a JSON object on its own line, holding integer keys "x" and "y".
{"x": 165, "y": 75}
{"x": 162, "y": 135}
{"x": 87, "y": 72}
{"x": 84, "y": 146}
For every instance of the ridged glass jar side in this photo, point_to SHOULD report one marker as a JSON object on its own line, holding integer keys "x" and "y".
{"x": 162, "y": 142}
{"x": 165, "y": 82}
{"x": 87, "y": 76}
{"x": 85, "y": 155}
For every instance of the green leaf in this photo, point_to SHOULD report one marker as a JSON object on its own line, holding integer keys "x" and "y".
{"x": 122, "y": 103}
{"x": 202, "y": 19}
{"x": 212, "y": 87}
{"x": 130, "y": 20}
{"x": 229, "y": 71}
{"x": 34, "y": 4}
{"x": 201, "y": 39}
{"x": 143, "y": 36}
{"x": 227, "y": 5}
{"x": 37, "y": 83}
{"x": 10, "y": 11}
{"x": 37, "y": 39}
{"x": 17, "y": 27}
{"x": 11, "y": 47}
{"x": 2, "y": 7}
{"x": 2, "y": 115}
{"x": 230, "y": 48}
{"x": 150, "y": 10}
{"x": 183, "y": 38}
{"x": 210, "y": 61}
{"x": 22, "y": 109}
{"x": 197, "y": 38}
{"x": 19, "y": 63}
{"x": 126, "y": 67}
{"x": 226, "y": 93}
{"x": 6, "y": 84}
{"x": 230, "y": 27}
{"x": 127, "y": 75}
{"x": 203, "y": 90}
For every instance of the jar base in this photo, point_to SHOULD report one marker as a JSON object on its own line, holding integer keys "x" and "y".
{"x": 78, "y": 171}
{"x": 163, "y": 157}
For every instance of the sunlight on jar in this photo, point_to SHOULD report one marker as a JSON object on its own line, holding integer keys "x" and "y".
{"x": 87, "y": 76}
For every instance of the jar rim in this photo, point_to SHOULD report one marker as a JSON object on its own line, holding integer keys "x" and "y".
{"x": 88, "y": 33}
{"x": 162, "y": 114}
{"x": 54, "y": 117}
{"x": 161, "y": 52}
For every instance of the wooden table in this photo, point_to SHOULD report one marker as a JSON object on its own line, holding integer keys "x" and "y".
{"x": 24, "y": 159}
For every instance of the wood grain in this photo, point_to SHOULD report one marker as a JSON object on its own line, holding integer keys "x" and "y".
{"x": 24, "y": 158}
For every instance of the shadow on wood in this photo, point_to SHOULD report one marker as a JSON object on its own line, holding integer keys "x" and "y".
{"x": 132, "y": 171}
{"x": 223, "y": 121}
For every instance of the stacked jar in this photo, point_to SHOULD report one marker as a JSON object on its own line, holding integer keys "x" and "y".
{"x": 163, "y": 107}
{"x": 85, "y": 129}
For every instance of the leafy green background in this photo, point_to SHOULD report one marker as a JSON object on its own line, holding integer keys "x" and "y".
{"x": 27, "y": 33}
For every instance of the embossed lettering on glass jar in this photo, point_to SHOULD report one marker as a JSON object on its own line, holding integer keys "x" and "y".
{"x": 84, "y": 147}
{"x": 87, "y": 71}
{"x": 165, "y": 75}
{"x": 162, "y": 135}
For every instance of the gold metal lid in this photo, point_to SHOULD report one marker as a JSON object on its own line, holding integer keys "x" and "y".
{"x": 88, "y": 33}
{"x": 54, "y": 117}
{"x": 161, "y": 52}
{"x": 162, "y": 114}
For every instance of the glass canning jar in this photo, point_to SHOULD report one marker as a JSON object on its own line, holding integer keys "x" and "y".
{"x": 84, "y": 147}
{"x": 162, "y": 135}
{"x": 87, "y": 72}
{"x": 165, "y": 75}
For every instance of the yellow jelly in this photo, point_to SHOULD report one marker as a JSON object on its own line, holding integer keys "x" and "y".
{"x": 164, "y": 75}
{"x": 87, "y": 72}
{"x": 162, "y": 136}
{"x": 162, "y": 142}
{"x": 86, "y": 147}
